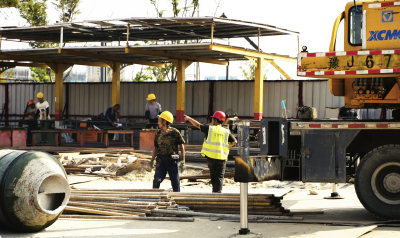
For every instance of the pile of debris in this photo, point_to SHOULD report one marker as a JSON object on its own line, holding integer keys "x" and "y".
{"x": 119, "y": 164}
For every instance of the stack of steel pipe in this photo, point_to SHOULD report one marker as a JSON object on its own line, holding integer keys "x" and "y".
{"x": 134, "y": 204}
{"x": 229, "y": 203}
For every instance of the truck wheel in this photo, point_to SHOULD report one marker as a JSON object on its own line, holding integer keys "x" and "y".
{"x": 377, "y": 181}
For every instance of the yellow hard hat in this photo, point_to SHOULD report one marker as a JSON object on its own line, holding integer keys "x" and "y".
{"x": 39, "y": 95}
{"x": 166, "y": 115}
{"x": 151, "y": 96}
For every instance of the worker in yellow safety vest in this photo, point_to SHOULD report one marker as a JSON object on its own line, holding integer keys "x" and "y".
{"x": 217, "y": 140}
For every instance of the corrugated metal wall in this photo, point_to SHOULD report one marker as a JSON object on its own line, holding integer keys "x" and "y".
{"x": 86, "y": 99}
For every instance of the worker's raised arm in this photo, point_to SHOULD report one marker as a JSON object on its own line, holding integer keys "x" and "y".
{"x": 192, "y": 121}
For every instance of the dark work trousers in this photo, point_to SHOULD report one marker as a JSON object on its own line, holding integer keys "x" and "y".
{"x": 217, "y": 171}
{"x": 153, "y": 123}
{"x": 167, "y": 164}
{"x": 44, "y": 125}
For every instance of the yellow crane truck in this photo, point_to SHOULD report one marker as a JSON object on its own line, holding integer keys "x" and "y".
{"x": 367, "y": 74}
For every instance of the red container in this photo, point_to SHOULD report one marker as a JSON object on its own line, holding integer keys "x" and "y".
{"x": 19, "y": 138}
{"x": 5, "y": 137}
{"x": 147, "y": 140}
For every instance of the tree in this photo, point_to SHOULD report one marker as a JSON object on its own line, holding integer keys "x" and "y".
{"x": 177, "y": 9}
{"x": 249, "y": 70}
{"x": 68, "y": 9}
{"x": 8, "y": 3}
{"x": 34, "y": 12}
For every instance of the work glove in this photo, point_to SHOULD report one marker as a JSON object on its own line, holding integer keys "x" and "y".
{"x": 152, "y": 164}
{"x": 181, "y": 167}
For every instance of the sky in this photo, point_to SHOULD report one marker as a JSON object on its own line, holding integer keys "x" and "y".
{"x": 313, "y": 19}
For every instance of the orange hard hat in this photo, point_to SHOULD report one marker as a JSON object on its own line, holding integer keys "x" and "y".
{"x": 31, "y": 102}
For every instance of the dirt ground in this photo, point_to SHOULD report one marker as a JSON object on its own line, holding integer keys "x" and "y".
{"x": 338, "y": 217}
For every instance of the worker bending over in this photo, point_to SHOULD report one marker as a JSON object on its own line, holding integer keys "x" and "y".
{"x": 215, "y": 147}
{"x": 166, "y": 144}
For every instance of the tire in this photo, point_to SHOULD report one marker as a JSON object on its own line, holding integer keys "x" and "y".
{"x": 377, "y": 181}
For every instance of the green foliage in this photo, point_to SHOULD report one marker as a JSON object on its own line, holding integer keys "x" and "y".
{"x": 178, "y": 9}
{"x": 68, "y": 9}
{"x": 141, "y": 76}
{"x": 249, "y": 70}
{"x": 8, "y": 3}
{"x": 168, "y": 73}
{"x": 33, "y": 11}
{"x": 42, "y": 75}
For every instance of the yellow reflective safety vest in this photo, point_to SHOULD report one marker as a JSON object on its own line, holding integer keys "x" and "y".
{"x": 216, "y": 145}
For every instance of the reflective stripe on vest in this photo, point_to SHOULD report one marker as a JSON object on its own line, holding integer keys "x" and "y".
{"x": 216, "y": 146}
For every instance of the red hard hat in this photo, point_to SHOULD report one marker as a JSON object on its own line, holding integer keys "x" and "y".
{"x": 31, "y": 102}
{"x": 220, "y": 115}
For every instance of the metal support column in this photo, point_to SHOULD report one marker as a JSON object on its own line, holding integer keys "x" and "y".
{"x": 258, "y": 90}
{"x": 244, "y": 228}
{"x": 244, "y": 152}
{"x": 180, "y": 65}
{"x": 59, "y": 89}
{"x": 115, "y": 94}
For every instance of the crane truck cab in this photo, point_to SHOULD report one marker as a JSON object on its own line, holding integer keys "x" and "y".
{"x": 367, "y": 72}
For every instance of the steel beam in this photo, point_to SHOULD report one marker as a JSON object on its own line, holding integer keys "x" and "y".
{"x": 170, "y": 56}
{"x": 251, "y": 53}
{"x": 180, "y": 65}
{"x": 116, "y": 97}
{"x": 58, "y": 100}
{"x": 258, "y": 89}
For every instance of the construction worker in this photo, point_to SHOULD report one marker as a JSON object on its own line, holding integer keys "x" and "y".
{"x": 43, "y": 114}
{"x": 153, "y": 109}
{"x": 30, "y": 110}
{"x": 112, "y": 114}
{"x": 28, "y": 120}
{"x": 42, "y": 108}
{"x": 215, "y": 147}
{"x": 167, "y": 142}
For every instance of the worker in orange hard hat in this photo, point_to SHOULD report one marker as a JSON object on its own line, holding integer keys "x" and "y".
{"x": 30, "y": 110}
{"x": 215, "y": 147}
{"x": 167, "y": 144}
{"x": 28, "y": 120}
{"x": 153, "y": 109}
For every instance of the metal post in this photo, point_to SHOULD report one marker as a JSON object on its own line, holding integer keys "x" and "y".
{"x": 244, "y": 229}
{"x": 61, "y": 38}
{"x": 127, "y": 35}
{"x": 212, "y": 33}
{"x": 243, "y": 145}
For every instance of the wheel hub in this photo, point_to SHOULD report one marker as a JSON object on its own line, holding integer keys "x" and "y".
{"x": 391, "y": 182}
{"x": 385, "y": 183}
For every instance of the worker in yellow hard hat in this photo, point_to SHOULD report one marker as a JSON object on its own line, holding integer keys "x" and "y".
{"x": 167, "y": 144}
{"x": 43, "y": 114}
{"x": 153, "y": 109}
